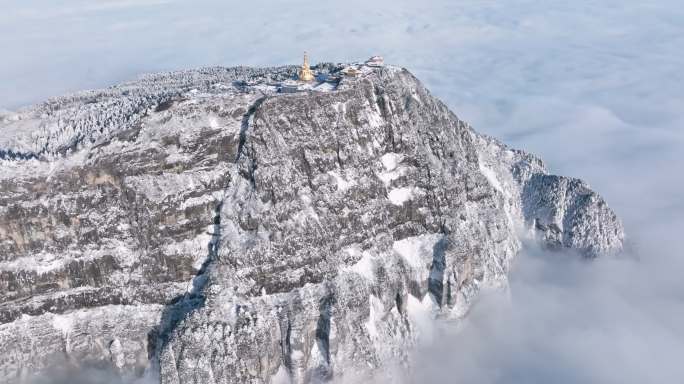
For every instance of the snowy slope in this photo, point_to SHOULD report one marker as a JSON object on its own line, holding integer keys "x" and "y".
{"x": 255, "y": 234}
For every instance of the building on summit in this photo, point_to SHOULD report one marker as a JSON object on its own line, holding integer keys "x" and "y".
{"x": 351, "y": 71}
{"x": 375, "y": 61}
{"x": 305, "y": 73}
{"x": 289, "y": 86}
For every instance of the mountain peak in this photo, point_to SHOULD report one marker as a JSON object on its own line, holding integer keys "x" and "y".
{"x": 225, "y": 225}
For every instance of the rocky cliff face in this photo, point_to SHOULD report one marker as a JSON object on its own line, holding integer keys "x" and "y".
{"x": 206, "y": 227}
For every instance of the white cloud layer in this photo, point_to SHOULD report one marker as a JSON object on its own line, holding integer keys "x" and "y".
{"x": 595, "y": 88}
{"x": 567, "y": 321}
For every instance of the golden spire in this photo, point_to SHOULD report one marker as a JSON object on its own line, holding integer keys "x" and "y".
{"x": 305, "y": 73}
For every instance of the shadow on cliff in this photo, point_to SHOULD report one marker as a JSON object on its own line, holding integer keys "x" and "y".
{"x": 181, "y": 306}
{"x": 244, "y": 126}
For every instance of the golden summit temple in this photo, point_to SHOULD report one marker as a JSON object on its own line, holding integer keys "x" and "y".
{"x": 305, "y": 73}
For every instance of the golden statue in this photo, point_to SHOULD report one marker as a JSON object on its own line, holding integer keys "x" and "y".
{"x": 305, "y": 73}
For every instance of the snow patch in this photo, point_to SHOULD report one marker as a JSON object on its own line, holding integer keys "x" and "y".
{"x": 376, "y": 310}
{"x": 400, "y": 195}
{"x": 41, "y": 263}
{"x": 317, "y": 357}
{"x": 62, "y": 323}
{"x": 366, "y": 218}
{"x": 491, "y": 177}
{"x": 340, "y": 107}
{"x": 353, "y": 250}
{"x": 391, "y": 160}
{"x": 388, "y": 177}
{"x": 417, "y": 250}
{"x": 342, "y": 184}
{"x": 421, "y": 314}
{"x": 364, "y": 266}
{"x": 213, "y": 123}
{"x": 281, "y": 376}
{"x": 306, "y": 213}
{"x": 325, "y": 87}
{"x": 374, "y": 119}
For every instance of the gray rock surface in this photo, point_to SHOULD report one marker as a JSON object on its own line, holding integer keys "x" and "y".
{"x": 205, "y": 228}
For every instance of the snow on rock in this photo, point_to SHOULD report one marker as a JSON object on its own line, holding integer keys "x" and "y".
{"x": 392, "y": 170}
{"x": 417, "y": 250}
{"x": 491, "y": 177}
{"x": 63, "y": 323}
{"x": 364, "y": 267}
{"x": 388, "y": 177}
{"x": 422, "y": 315}
{"x": 391, "y": 160}
{"x": 202, "y": 225}
{"x": 281, "y": 376}
{"x": 399, "y": 196}
{"x": 342, "y": 184}
{"x": 375, "y": 315}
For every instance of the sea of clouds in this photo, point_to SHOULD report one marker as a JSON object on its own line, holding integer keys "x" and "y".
{"x": 596, "y": 88}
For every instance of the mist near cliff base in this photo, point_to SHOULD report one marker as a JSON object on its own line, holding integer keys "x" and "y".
{"x": 567, "y": 320}
{"x": 89, "y": 374}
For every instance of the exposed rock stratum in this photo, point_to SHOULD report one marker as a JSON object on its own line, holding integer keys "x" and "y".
{"x": 206, "y": 227}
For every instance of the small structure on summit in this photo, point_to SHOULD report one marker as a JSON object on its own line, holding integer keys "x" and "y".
{"x": 351, "y": 71}
{"x": 289, "y": 86}
{"x": 375, "y": 61}
{"x": 305, "y": 73}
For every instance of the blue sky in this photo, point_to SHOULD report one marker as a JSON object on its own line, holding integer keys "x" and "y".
{"x": 596, "y": 88}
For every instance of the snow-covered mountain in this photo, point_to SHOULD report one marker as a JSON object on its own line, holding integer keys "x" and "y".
{"x": 207, "y": 227}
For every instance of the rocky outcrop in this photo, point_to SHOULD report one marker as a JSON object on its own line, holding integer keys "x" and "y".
{"x": 204, "y": 226}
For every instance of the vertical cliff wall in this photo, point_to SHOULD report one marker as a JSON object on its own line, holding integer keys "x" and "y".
{"x": 203, "y": 225}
